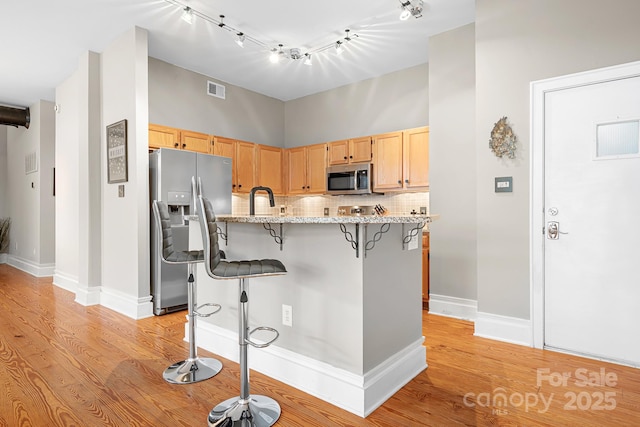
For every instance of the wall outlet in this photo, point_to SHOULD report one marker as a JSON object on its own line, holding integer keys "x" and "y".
{"x": 287, "y": 315}
{"x": 423, "y": 210}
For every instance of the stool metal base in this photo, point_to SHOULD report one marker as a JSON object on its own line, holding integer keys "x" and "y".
{"x": 192, "y": 370}
{"x": 257, "y": 411}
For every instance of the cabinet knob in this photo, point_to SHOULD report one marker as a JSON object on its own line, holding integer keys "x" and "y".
{"x": 406, "y": 180}
{"x": 308, "y": 187}
{"x": 239, "y": 185}
{"x": 345, "y": 157}
{"x": 176, "y": 145}
{"x": 351, "y": 157}
{"x": 399, "y": 182}
{"x": 184, "y": 145}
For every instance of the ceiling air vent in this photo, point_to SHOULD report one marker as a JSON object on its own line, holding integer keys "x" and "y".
{"x": 215, "y": 89}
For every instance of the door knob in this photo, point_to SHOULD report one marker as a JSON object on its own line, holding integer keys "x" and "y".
{"x": 553, "y": 230}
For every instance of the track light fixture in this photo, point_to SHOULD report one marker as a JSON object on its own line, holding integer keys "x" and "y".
{"x": 187, "y": 15}
{"x": 240, "y": 39}
{"x": 411, "y": 8}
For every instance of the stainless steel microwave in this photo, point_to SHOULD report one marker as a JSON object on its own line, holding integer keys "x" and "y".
{"x": 349, "y": 179}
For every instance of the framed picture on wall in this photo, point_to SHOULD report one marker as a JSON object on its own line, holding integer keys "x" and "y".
{"x": 117, "y": 152}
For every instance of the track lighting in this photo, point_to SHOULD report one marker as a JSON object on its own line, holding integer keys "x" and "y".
{"x": 240, "y": 39}
{"x": 187, "y": 15}
{"x": 411, "y": 8}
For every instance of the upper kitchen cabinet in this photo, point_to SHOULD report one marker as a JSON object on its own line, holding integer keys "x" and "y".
{"x": 356, "y": 150}
{"x": 195, "y": 141}
{"x": 416, "y": 158}
{"x": 163, "y": 137}
{"x": 307, "y": 169}
{"x": 270, "y": 167}
{"x": 401, "y": 160}
{"x": 244, "y": 159}
{"x": 168, "y": 137}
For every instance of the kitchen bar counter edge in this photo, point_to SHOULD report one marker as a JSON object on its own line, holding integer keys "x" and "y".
{"x": 389, "y": 219}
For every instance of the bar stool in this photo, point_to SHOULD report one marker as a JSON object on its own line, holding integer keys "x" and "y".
{"x": 247, "y": 410}
{"x": 194, "y": 368}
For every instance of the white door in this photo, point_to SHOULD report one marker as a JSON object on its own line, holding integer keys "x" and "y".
{"x": 592, "y": 199}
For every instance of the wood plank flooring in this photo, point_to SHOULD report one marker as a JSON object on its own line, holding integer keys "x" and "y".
{"x": 63, "y": 364}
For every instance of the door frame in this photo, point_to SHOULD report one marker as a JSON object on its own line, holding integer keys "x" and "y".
{"x": 538, "y": 90}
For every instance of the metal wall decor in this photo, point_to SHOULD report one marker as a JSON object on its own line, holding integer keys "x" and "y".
{"x": 503, "y": 141}
{"x": 117, "y": 152}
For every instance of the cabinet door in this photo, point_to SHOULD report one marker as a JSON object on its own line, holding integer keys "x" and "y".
{"x": 317, "y": 168}
{"x": 416, "y": 157}
{"x": 387, "y": 167}
{"x": 245, "y": 166}
{"x": 163, "y": 137}
{"x": 227, "y": 147}
{"x": 270, "y": 168}
{"x": 195, "y": 141}
{"x": 297, "y": 176}
{"x": 338, "y": 152}
{"x": 360, "y": 150}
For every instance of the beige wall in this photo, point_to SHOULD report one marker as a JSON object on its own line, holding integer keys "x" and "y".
{"x": 452, "y": 172}
{"x": 387, "y": 103}
{"x": 4, "y": 199}
{"x": 518, "y": 42}
{"x": 178, "y": 98}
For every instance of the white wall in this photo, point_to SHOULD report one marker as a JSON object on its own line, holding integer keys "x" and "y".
{"x": 516, "y": 43}
{"x": 125, "y": 221}
{"x": 388, "y": 103}
{"x": 4, "y": 197}
{"x": 31, "y": 208}
{"x": 78, "y": 252}
{"x": 452, "y": 172}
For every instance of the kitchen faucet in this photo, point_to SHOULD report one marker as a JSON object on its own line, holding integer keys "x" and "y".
{"x": 252, "y": 196}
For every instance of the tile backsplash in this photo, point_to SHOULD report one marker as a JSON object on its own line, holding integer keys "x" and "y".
{"x": 398, "y": 204}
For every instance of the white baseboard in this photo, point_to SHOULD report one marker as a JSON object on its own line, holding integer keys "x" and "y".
{"x": 3, "y": 258}
{"x": 358, "y": 394}
{"x": 503, "y": 328}
{"x": 460, "y": 308}
{"x": 88, "y": 295}
{"x": 129, "y": 305}
{"x": 65, "y": 281}
{"x": 37, "y": 270}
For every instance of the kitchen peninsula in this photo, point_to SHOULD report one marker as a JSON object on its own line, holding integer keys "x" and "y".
{"x": 354, "y": 288}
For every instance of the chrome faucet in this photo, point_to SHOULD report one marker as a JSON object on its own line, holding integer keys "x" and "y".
{"x": 252, "y": 196}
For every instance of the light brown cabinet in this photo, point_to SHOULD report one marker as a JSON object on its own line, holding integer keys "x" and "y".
{"x": 168, "y": 137}
{"x": 243, "y": 155}
{"x": 355, "y": 150}
{"x": 401, "y": 160}
{"x": 163, "y": 137}
{"x": 425, "y": 271}
{"x": 195, "y": 141}
{"x": 270, "y": 167}
{"x": 307, "y": 169}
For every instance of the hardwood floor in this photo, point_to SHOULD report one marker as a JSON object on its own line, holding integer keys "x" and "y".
{"x": 63, "y": 364}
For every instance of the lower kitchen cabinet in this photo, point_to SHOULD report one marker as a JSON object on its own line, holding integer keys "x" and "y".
{"x": 425, "y": 271}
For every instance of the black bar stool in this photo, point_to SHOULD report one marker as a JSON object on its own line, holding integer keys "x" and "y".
{"x": 247, "y": 410}
{"x": 194, "y": 368}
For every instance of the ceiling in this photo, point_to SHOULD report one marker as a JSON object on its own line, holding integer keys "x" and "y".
{"x": 42, "y": 40}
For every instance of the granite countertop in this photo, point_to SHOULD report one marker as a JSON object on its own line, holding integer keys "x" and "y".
{"x": 370, "y": 219}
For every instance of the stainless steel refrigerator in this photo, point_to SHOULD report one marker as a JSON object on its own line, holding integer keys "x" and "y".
{"x": 170, "y": 180}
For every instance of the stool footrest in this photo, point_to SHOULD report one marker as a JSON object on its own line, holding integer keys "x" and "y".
{"x": 266, "y": 344}
{"x": 217, "y": 307}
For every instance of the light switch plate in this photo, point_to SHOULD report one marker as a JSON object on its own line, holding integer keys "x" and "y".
{"x": 504, "y": 184}
{"x": 121, "y": 190}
